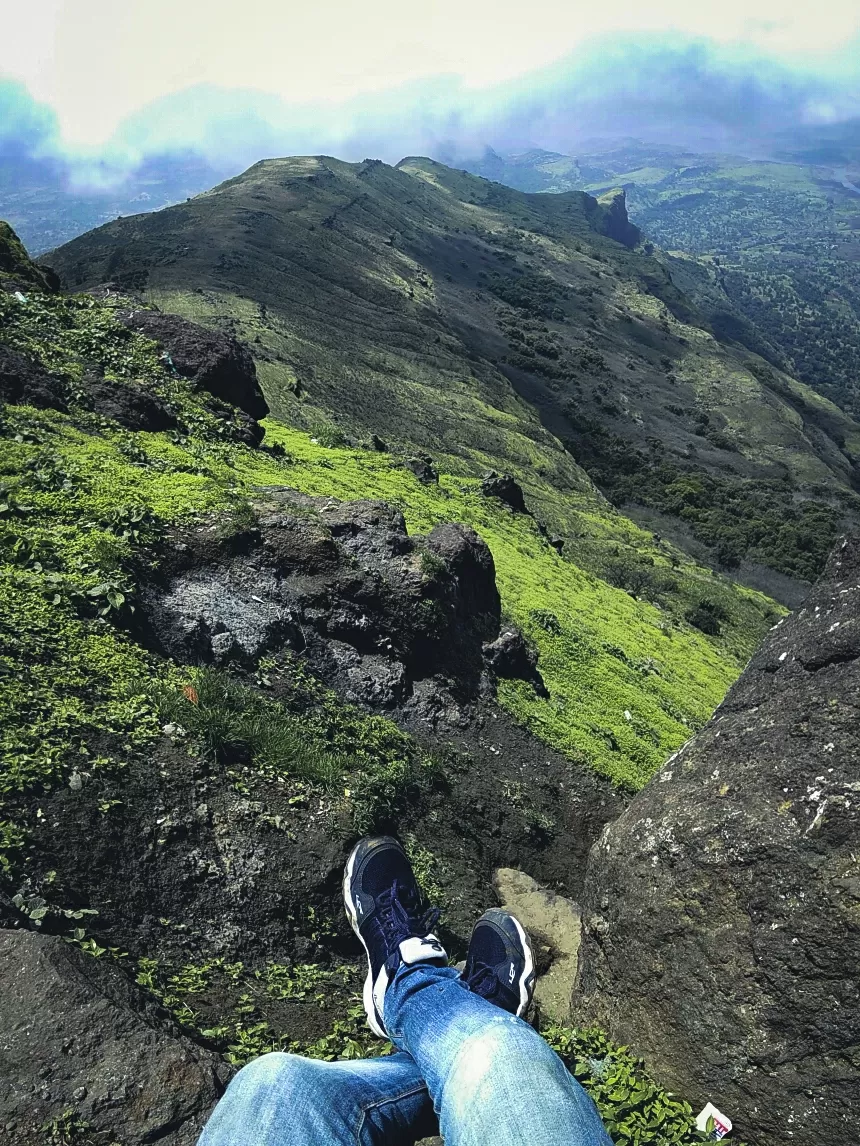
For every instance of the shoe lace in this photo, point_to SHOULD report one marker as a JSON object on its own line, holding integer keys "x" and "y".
{"x": 401, "y": 919}
{"x": 484, "y": 981}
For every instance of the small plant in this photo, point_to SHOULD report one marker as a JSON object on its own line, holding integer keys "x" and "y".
{"x": 135, "y": 523}
{"x": 67, "y": 1129}
{"x": 635, "y": 1110}
{"x": 329, "y": 435}
{"x": 548, "y": 621}
{"x": 707, "y": 616}
{"x": 432, "y": 566}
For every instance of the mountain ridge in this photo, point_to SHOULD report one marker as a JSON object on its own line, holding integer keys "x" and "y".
{"x": 467, "y": 319}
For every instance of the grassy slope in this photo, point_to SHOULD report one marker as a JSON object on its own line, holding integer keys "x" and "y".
{"x": 787, "y": 237}
{"x": 629, "y": 680}
{"x": 377, "y": 297}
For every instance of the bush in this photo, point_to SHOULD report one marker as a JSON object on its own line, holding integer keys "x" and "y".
{"x": 706, "y": 616}
{"x": 330, "y": 435}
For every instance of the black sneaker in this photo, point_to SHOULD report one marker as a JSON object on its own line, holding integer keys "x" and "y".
{"x": 500, "y": 963}
{"x": 389, "y": 916}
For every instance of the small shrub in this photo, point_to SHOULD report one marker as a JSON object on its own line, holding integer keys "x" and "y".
{"x": 707, "y": 616}
{"x": 330, "y": 435}
{"x": 635, "y": 1110}
{"x": 548, "y": 621}
{"x": 232, "y": 723}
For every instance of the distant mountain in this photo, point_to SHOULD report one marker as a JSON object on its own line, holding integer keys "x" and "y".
{"x": 448, "y": 314}
{"x": 40, "y": 200}
{"x": 779, "y": 239}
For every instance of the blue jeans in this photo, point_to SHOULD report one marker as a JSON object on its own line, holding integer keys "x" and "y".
{"x": 490, "y": 1079}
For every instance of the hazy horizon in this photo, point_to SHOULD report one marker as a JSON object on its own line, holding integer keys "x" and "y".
{"x": 101, "y": 90}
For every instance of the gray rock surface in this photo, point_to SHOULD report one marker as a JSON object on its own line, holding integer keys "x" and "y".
{"x": 553, "y": 924}
{"x": 389, "y": 619}
{"x": 722, "y": 909}
{"x": 76, "y": 1036}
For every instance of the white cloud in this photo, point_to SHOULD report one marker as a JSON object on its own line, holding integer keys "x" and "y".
{"x": 97, "y": 61}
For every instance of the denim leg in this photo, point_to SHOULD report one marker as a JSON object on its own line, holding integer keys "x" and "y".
{"x": 492, "y": 1078}
{"x": 287, "y": 1100}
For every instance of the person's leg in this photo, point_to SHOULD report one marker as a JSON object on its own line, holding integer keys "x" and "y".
{"x": 492, "y": 1078}
{"x": 286, "y": 1100}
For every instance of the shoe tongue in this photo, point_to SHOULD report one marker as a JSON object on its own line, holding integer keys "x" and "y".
{"x": 422, "y": 949}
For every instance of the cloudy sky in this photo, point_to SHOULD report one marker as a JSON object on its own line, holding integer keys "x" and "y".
{"x": 101, "y": 76}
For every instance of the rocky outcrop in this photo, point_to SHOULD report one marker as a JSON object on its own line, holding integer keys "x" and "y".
{"x": 17, "y": 270}
{"x": 80, "y": 1044}
{"x": 391, "y": 621}
{"x": 24, "y": 382}
{"x": 215, "y": 362}
{"x": 506, "y": 488}
{"x": 511, "y": 657}
{"x": 129, "y": 405}
{"x": 423, "y": 468}
{"x": 614, "y": 222}
{"x": 722, "y": 909}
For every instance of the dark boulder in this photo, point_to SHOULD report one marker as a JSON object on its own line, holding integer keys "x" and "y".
{"x": 385, "y": 616}
{"x": 423, "y": 468}
{"x": 78, "y": 1036}
{"x": 722, "y": 909}
{"x": 506, "y": 488}
{"x": 511, "y": 657}
{"x": 215, "y": 362}
{"x": 26, "y": 383}
{"x": 130, "y": 405}
{"x": 470, "y": 576}
{"x": 247, "y": 429}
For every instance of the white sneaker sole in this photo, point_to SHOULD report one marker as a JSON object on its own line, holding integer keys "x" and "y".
{"x": 528, "y": 974}
{"x": 374, "y": 1021}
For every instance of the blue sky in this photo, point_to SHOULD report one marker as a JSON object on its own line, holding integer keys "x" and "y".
{"x": 122, "y": 80}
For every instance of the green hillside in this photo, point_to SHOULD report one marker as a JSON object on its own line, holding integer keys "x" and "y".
{"x": 495, "y": 329}
{"x": 628, "y": 677}
{"x": 781, "y": 239}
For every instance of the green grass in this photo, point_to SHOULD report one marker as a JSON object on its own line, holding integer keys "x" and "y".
{"x": 85, "y": 504}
